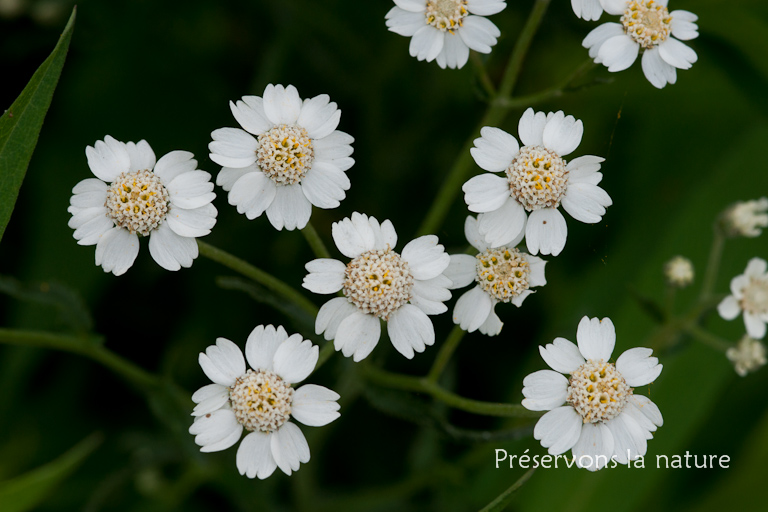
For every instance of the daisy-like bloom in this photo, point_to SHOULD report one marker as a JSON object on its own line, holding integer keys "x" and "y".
{"x": 679, "y": 272}
{"x": 537, "y": 181}
{"x": 504, "y": 274}
{"x": 446, "y": 29}
{"x": 749, "y": 294}
{"x": 747, "y": 218}
{"x": 134, "y": 196}
{"x": 747, "y": 356}
{"x": 261, "y": 400}
{"x": 288, "y": 156}
{"x": 379, "y": 283}
{"x": 595, "y": 412}
{"x": 649, "y": 25}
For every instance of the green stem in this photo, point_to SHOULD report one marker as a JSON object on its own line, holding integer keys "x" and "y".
{"x": 713, "y": 265}
{"x": 706, "y": 337}
{"x": 445, "y": 353}
{"x": 505, "y": 498}
{"x": 88, "y": 347}
{"x": 258, "y": 275}
{"x": 314, "y": 241}
{"x": 669, "y": 300}
{"x": 482, "y": 74}
{"x": 493, "y": 116}
{"x": 547, "y": 94}
{"x": 422, "y": 385}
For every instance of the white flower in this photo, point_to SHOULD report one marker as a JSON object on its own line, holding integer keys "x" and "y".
{"x": 446, "y": 29}
{"x": 649, "y": 25}
{"x": 679, "y": 272}
{"x": 747, "y": 356}
{"x": 602, "y": 417}
{"x": 537, "y": 180}
{"x": 747, "y": 218}
{"x": 502, "y": 275}
{"x": 401, "y": 289}
{"x": 288, "y": 157}
{"x": 169, "y": 201}
{"x": 749, "y": 294}
{"x": 261, "y": 400}
{"x": 589, "y": 10}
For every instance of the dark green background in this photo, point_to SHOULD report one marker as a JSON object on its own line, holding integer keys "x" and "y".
{"x": 165, "y": 71}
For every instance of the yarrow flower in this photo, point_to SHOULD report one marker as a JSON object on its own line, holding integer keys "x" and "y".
{"x": 538, "y": 180}
{"x": 504, "y": 274}
{"x": 747, "y": 218}
{"x": 445, "y": 30}
{"x": 679, "y": 272}
{"x": 749, "y": 294}
{"x": 261, "y": 400}
{"x": 602, "y": 417}
{"x": 288, "y": 157}
{"x": 649, "y": 25}
{"x": 167, "y": 200}
{"x": 747, "y": 356}
{"x": 379, "y": 283}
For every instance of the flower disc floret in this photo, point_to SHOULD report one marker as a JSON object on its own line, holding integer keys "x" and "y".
{"x": 538, "y": 178}
{"x": 647, "y": 22}
{"x": 261, "y": 400}
{"x": 502, "y": 273}
{"x": 597, "y": 391}
{"x": 378, "y": 282}
{"x": 446, "y": 15}
{"x": 137, "y": 201}
{"x": 285, "y": 153}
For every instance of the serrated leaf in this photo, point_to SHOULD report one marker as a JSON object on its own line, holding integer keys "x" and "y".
{"x": 29, "y": 490}
{"x": 20, "y": 125}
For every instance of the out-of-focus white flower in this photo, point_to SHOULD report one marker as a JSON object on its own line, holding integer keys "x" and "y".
{"x": 679, "y": 272}
{"x": 445, "y": 30}
{"x": 379, "y": 284}
{"x": 504, "y": 274}
{"x": 747, "y": 218}
{"x": 602, "y": 417}
{"x": 747, "y": 356}
{"x": 168, "y": 201}
{"x": 749, "y": 294}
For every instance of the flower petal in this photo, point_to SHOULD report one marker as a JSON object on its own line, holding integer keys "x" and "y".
{"x": 171, "y": 250}
{"x": 546, "y": 232}
{"x": 559, "y": 429}
{"x": 656, "y": 70}
{"x": 461, "y": 270}
{"x": 223, "y": 362}
{"x": 618, "y": 53}
{"x": 254, "y": 456}
{"x": 330, "y": 316}
{"x": 116, "y": 250}
{"x": 314, "y": 405}
{"x": 262, "y": 344}
{"x": 629, "y": 441}
{"x": 174, "y": 164}
{"x": 426, "y": 258}
{"x": 638, "y": 367}
{"x": 282, "y": 105}
{"x": 193, "y": 222}
{"x": 594, "y": 448}
{"x": 289, "y": 447}
{"x": 141, "y": 156}
{"x": 472, "y": 309}
{"x": 473, "y": 235}
{"x": 485, "y": 193}
{"x": 233, "y": 147}
{"x": 561, "y": 355}
{"x": 357, "y": 335}
{"x": 410, "y": 329}
{"x": 295, "y": 359}
{"x": 290, "y": 209}
{"x": 249, "y": 113}
{"x": 531, "y": 127}
{"x": 562, "y": 134}
{"x": 505, "y": 226}
{"x": 677, "y": 54}
{"x": 729, "y": 308}
{"x": 354, "y": 236}
{"x": 544, "y": 390}
{"x": 108, "y": 158}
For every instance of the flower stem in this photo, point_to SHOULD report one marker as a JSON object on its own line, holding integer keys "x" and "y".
{"x": 422, "y": 385}
{"x": 706, "y": 337}
{"x": 482, "y": 75}
{"x": 501, "y": 502}
{"x": 493, "y": 116}
{"x": 314, "y": 241}
{"x": 445, "y": 353}
{"x": 258, "y": 275}
{"x": 713, "y": 265}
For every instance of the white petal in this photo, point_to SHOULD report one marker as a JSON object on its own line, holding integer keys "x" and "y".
{"x": 755, "y": 326}
{"x": 485, "y": 7}
{"x": 354, "y": 236}
{"x": 629, "y": 441}
{"x": 223, "y": 362}
{"x": 594, "y": 448}
{"x": 492, "y": 325}
{"x": 216, "y": 431}
{"x": 544, "y": 390}
{"x": 558, "y": 430}
{"x": 756, "y": 267}
{"x": 649, "y": 409}
{"x": 683, "y": 25}
{"x": 495, "y": 149}
{"x": 618, "y": 53}
{"x": 518, "y": 299}
{"x": 262, "y": 344}
{"x": 319, "y": 116}
{"x": 531, "y": 127}
{"x": 546, "y": 232}
{"x": 249, "y": 112}
{"x": 729, "y": 308}
{"x": 410, "y": 329}
{"x": 209, "y": 398}
{"x": 461, "y": 270}
{"x": 596, "y": 338}
{"x": 412, "y": 5}
{"x": 141, "y": 156}
{"x": 91, "y": 231}
{"x": 404, "y": 22}
{"x": 656, "y": 70}
{"x": 479, "y": 33}
{"x": 426, "y": 258}
{"x": 282, "y": 105}
{"x": 426, "y": 43}
{"x": 583, "y": 168}
{"x": 233, "y": 147}
{"x": 562, "y": 134}
{"x": 90, "y": 198}
{"x": 455, "y": 52}
{"x": 638, "y": 367}
{"x": 191, "y": 189}
{"x": 536, "y": 277}
{"x": 589, "y": 10}
{"x": 505, "y": 226}
{"x": 116, "y": 250}
{"x": 107, "y": 159}
{"x": 321, "y": 186}
{"x": 295, "y": 359}
{"x": 254, "y": 456}
{"x": 384, "y": 234}
{"x": 325, "y": 276}
{"x": 289, "y": 447}
{"x": 586, "y": 202}
{"x": 472, "y": 309}
{"x": 170, "y": 250}
{"x": 330, "y": 316}
{"x": 561, "y": 355}
{"x": 595, "y": 40}
{"x": 334, "y": 146}
{"x": 357, "y": 335}
{"x": 314, "y": 405}
{"x": 192, "y": 223}
{"x": 174, "y": 164}
{"x": 485, "y": 193}
{"x": 207, "y": 392}
{"x": 615, "y": 7}
{"x": 471, "y": 231}
{"x": 290, "y": 208}
{"x": 252, "y": 194}
{"x": 677, "y": 54}
{"x": 429, "y": 294}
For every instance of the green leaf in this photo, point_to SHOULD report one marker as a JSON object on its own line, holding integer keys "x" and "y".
{"x": 29, "y": 490}
{"x": 20, "y": 125}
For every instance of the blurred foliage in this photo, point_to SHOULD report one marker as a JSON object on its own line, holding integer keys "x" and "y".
{"x": 164, "y": 71}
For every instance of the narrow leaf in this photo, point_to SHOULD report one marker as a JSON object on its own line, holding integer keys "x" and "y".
{"x": 20, "y": 125}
